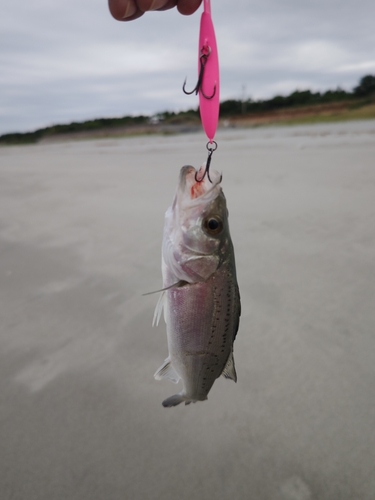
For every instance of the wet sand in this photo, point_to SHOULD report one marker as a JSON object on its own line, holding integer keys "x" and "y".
{"x": 80, "y": 234}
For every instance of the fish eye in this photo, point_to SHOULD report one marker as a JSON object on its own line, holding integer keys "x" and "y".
{"x": 213, "y": 225}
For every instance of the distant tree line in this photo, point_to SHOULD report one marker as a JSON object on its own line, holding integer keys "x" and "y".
{"x": 365, "y": 90}
{"x": 86, "y": 126}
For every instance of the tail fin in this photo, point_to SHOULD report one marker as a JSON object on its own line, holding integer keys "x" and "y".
{"x": 176, "y": 400}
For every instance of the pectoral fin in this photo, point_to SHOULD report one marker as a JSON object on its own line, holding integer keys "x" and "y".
{"x": 229, "y": 368}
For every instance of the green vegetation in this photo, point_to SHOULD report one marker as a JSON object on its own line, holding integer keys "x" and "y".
{"x": 366, "y": 87}
{"x": 297, "y": 98}
{"x": 354, "y": 112}
{"x": 356, "y": 104}
{"x": 181, "y": 117}
{"x": 87, "y": 126}
{"x": 365, "y": 91}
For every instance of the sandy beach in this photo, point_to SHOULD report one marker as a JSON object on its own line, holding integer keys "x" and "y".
{"x": 80, "y": 235}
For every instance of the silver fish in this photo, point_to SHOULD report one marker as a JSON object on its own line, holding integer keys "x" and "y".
{"x": 200, "y": 297}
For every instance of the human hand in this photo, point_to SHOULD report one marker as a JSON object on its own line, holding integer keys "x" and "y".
{"x": 127, "y": 10}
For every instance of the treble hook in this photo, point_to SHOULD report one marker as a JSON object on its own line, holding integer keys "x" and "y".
{"x": 204, "y": 54}
{"x": 210, "y": 150}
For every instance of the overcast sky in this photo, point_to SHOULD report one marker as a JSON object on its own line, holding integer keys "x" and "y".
{"x": 70, "y": 60}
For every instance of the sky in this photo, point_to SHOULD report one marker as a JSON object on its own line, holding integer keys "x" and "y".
{"x": 71, "y": 61}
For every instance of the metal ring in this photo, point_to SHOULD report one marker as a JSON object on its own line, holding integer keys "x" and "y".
{"x": 211, "y": 149}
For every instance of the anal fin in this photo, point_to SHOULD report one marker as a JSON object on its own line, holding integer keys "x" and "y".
{"x": 167, "y": 371}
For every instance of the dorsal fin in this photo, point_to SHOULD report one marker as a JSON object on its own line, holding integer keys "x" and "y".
{"x": 229, "y": 368}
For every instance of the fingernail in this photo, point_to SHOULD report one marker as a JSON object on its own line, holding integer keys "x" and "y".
{"x": 130, "y": 10}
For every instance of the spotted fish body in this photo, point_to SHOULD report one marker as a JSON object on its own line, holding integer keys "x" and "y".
{"x": 201, "y": 298}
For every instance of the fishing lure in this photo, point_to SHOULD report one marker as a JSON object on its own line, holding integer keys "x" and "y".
{"x": 208, "y": 84}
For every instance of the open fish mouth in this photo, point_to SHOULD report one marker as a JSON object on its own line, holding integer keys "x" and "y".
{"x": 192, "y": 189}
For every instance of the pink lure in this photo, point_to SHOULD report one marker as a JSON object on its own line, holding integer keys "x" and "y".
{"x": 210, "y": 86}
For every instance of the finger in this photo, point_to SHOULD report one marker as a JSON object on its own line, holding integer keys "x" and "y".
{"x": 169, "y": 5}
{"x": 188, "y": 7}
{"x": 151, "y": 4}
{"x": 122, "y": 9}
{"x": 139, "y": 13}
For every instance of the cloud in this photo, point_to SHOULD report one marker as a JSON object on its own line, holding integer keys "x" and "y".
{"x": 362, "y": 67}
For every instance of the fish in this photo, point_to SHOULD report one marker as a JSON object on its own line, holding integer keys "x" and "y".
{"x": 200, "y": 296}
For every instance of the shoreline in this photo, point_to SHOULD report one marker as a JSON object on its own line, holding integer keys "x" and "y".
{"x": 302, "y": 115}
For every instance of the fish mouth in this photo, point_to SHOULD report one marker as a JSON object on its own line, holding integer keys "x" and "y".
{"x": 193, "y": 189}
